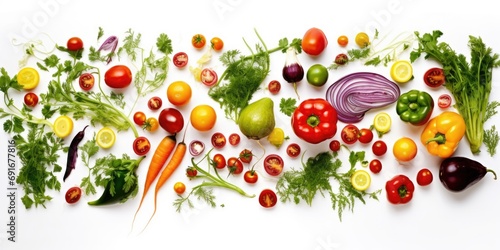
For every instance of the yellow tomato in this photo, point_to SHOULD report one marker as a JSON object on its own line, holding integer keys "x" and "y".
{"x": 179, "y": 187}
{"x": 401, "y": 71}
{"x": 404, "y": 149}
{"x": 179, "y": 93}
{"x": 362, "y": 39}
{"x": 63, "y": 126}
{"x": 105, "y": 137}
{"x": 361, "y": 180}
{"x": 28, "y": 78}
{"x": 276, "y": 137}
{"x": 203, "y": 117}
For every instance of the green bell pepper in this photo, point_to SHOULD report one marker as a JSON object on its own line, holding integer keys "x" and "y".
{"x": 415, "y": 107}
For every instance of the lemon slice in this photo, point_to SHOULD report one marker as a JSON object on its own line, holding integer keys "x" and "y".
{"x": 361, "y": 180}
{"x": 382, "y": 122}
{"x": 63, "y": 126}
{"x": 401, "y": 71}
{"x": 105, "y": 137}
{"x": 28, "y": 78}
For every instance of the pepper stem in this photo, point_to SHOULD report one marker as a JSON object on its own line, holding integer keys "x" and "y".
{"x": 313, "y": 121}
{"x": 440, "y": 138}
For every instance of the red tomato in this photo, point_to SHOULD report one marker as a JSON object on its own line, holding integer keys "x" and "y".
{"x": 251, "y": 176}
{"x": 314, "y": 41}
{"x": 273, "y": 164}
{"x": 293, "y": 150}
{"x": 379, "y": 148}
{"x": 180, "y": 59}
{"x": 73, "y": 195}
{"x": 86, "y": 81}
{"x": 334, "y": 145}
{"x": 444, "y": 101}
{"x": 424, "y": 177}
{"x": 154, "y": 103}
{"x": 234, "y": 165}
{"x": 118, "y": 76}
{"x": 74, "y": 44}
{"x": 234, "y": 139}
{"x": 274, "y": 87}
{"x": 365, "y": 135}
{"x": 209, "y": 77}
{"x": 191, "y": 172}
{"x": 246, "y": 155}
{"x": 31, "y": 99}
{"x": 341, "y": 59}
{"x": 219, "y": 161}
{"x": 268, "y": 198}
{"x": 349, "y": 134}
{"x": 218, "y": 140}
{"x": 141, "y": 145}
{"x": 171, "y": 120}
{"x": 375, "y": 166}
{"x": 434, "y": 77}
{"x": 139, "y": 118}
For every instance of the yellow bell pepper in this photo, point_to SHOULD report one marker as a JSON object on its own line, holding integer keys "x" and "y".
{"x": 443, "y": 133}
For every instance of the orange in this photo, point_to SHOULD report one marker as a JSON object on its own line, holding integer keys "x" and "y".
{"x": 404, "y": 149}
{"x": 203, "y": 117}
{"x": 179, "y": 93}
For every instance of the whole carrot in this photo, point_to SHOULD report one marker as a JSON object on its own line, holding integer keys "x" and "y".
{"x": 159, "y": 159}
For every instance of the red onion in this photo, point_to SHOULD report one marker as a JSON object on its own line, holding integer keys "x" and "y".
{"x": 355, "y": 94}
{"x": 293, "y": 72}
{"x": 109, "y": 44}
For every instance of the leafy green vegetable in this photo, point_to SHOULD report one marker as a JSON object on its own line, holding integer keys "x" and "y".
{"x": 316, "y": 176}
{"x": 469, "y": 82}
{"x": 491, "y": 139}
{"x": 288, "y": 106}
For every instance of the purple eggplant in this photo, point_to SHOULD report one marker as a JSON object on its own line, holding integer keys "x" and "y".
{"x": 73, "y": 152}
{"x": 459, "y": 173}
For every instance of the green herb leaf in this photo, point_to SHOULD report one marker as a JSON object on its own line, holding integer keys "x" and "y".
{"x": 288, "y": 106}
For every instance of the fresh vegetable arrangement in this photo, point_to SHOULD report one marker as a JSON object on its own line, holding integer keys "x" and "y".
{"x": 323, "y": 130}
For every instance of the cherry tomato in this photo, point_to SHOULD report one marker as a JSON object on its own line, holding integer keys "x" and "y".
{"x": 31, "y": 99}
{"x": 424, "y": 177}
{"x": 293, "y": 150}
{"x": 246, "y": 155}
{"x": 73, "y": 195}
{"x": 198, "y": 41}
{"x": 342, "y": 40}
{"x": 216, "y": 44}
{"x": 234, "y": 139}
{"x": 234, "y": 165}
{"x": 434, "y": 77}
{"x": 118, "y": 76}
{"x": 375, "y": 166}
{"x": 171, "y": 120}
{"x": 218, "y": 140}
{"x": 179, "y": 187}
{"x": 154, "y": 103}
{"x": 251, "y": 176}
{"x": 74, "y": 44}
{"x": 314, "y": 41}
{"x": 444, "y": 101}
{"x": 365, "y": 135}
{"x": 191, "y": 172}
{"x": 341, "y": 59}
{"x": 141, "y": 145}
{"x": 209, "y": 77}
{"x": 334, "y": 145}
{"x": 180, "y": 59}
{"x": 268, "y": 198}
{"x": 274, "y": 87}
{"x": 139, "y": 118}
{"x": 273, "y": 164}
{"x": 219, "y": 161}
{"x": 349, "y": 134}
{"x": 151, "y": 124}
{"x": 86, "y": 81}
{"x": 362, "y": 40}
{"x": 379, "y": 148}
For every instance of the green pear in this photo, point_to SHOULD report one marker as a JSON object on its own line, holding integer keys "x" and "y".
{"x": 256, "y": 120}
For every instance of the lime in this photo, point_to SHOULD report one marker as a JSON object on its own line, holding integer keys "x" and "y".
{"x": 105, "y": 137}
{"x": 401, "y": 71}
{"x": 361, "y": 180}
{"x": 317, "y": 75}
{"x": 28, "y": 78}
{"x": 63, "y": 126}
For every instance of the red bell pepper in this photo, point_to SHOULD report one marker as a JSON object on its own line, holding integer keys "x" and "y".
{"x": 315, "y": 120}
{"x": 399, "y": 189}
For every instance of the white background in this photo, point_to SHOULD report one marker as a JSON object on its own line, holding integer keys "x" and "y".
{"x": 435, "y": 218}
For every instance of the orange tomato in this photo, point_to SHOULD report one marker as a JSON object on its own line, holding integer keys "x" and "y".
{"x": 179, "y": 93}
{"x": 179, "y": 187}
{"x": 404, "y": 149}
{"x": 216, "y": 43}
{"x": 151, "y": 124}
{"x": 342, "y": 40}
{"x": 203, "y": 117}
{"x": 198, "y": 41}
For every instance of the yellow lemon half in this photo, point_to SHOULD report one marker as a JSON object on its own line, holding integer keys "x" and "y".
{"x": 105, "y": 137}
{"x": 28, "y": 78}
{"x": 361, "y": 180}
{"x": 401, "y": 71}
{"x": 63, "y": 126}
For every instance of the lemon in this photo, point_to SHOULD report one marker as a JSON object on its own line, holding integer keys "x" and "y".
{"x": 361, "y": 180}
{"x": 401, "y": 71}
{"x": 105, "y": 137}
{"x": 63, "y": 126}
{"x": 276, "y": 137}
{"x": 382, "y": 122}
{"x": 28, "y": 78}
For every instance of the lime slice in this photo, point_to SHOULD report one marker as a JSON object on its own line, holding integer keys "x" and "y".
{"x": 105, "y": 137}
{"x": 401, "y": 71}
{"x": 63, "y": 126}
{"x": 28, "y": 78}
{"x": 361, "y": 180}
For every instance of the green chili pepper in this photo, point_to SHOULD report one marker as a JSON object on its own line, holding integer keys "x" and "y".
{"x": 415, "y": 107}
